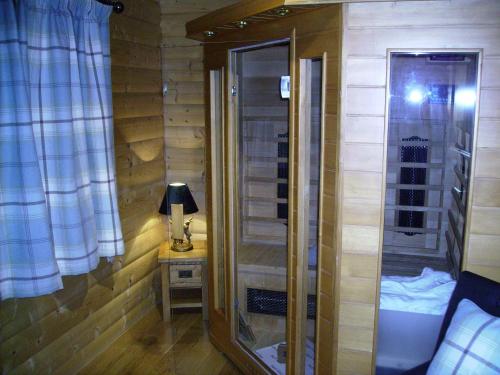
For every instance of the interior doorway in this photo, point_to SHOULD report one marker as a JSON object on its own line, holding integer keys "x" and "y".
{"x": 430, "y": 149}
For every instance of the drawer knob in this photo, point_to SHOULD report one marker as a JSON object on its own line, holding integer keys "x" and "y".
{"x": 185, "y": 274}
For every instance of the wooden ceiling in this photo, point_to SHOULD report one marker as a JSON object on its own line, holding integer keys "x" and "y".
{"x": 229, "y": 19}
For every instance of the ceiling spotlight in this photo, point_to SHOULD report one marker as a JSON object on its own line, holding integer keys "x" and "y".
{"x": 242, "y": 24}
{"x": 282, "y": 12}
{"x": 209, "y": 33}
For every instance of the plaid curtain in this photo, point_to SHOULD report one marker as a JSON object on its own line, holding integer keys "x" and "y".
{"x": 65, "y": 126}
{"x": 27, "y": 263}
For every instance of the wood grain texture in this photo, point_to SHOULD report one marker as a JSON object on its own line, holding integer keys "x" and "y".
{"x": 60, "y": 333}
{"x": 230, "y": 13}
{"x": 317, "y": 36}
{"x": 369, "y": 30}
{"x": 181, "y": 347}
{"x": 182, "y": 66}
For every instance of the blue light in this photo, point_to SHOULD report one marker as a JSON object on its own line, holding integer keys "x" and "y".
{"x": 416, "y": 95}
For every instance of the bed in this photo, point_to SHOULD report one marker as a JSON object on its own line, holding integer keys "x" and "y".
{"x": 411, "y": 313}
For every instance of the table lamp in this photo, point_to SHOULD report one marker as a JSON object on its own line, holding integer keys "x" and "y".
{"x": 178, "y": 202}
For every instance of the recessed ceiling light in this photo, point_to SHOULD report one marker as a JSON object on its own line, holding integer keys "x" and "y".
{"x": 282, "y": 12}
{"x": 241, "y": 24}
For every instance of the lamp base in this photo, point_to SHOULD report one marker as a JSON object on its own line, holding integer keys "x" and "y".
{"x": 180, "y": 245}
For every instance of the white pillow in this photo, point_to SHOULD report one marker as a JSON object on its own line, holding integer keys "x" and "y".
{"x": 471, "y": 344}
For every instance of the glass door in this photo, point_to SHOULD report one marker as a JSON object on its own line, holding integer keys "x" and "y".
{"x": 261, "y": 201}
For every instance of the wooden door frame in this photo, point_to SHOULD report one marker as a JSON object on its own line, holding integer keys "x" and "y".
{"x": 213, "y": 202}
{"x": 303, "y": 199}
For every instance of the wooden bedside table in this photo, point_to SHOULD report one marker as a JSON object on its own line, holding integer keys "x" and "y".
{"x": 183, "y": 270}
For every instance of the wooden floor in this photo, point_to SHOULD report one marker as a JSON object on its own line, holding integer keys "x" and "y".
{"x": 151, "y": 346}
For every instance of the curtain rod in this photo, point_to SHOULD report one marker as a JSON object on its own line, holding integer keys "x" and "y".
{"x": 118, "y": 6}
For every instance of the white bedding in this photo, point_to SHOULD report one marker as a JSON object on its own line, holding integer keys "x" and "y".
{"x": 428, "y": 293}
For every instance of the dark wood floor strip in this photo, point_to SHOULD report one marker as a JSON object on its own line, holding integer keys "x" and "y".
{"x": 181, "y": 347}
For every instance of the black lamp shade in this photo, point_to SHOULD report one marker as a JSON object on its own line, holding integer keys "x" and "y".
{"x": 178, "y": 193}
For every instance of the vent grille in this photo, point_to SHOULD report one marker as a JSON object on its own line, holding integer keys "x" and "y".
{"x": 271, "y": 302}
{"x": 412, "y": 176}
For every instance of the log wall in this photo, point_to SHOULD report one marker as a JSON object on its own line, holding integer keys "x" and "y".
{"x": 60, "y": 333}
{"x": 182, "y": 64}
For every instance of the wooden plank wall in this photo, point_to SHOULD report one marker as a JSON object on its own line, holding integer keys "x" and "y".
{"x": 182, "y": 64}
{"x": 369, "y": 29}
{"x": 60, "y": 333}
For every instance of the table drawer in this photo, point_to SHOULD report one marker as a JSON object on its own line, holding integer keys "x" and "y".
{"x": 185, "y": 274}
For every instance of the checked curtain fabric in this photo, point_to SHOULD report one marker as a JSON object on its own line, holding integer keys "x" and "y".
{"x": 58, "y": 203}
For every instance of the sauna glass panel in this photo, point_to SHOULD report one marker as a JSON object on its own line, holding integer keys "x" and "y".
{"x": 217, "y": 149}
{"x": 431, "y": 121}
{"x": 313, "y": 107}
{"x": 262, "y": 203}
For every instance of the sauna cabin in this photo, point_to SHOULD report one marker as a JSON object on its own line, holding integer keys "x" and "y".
{"x": 345, "y": 170}
{"x": 343, "y": 164}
